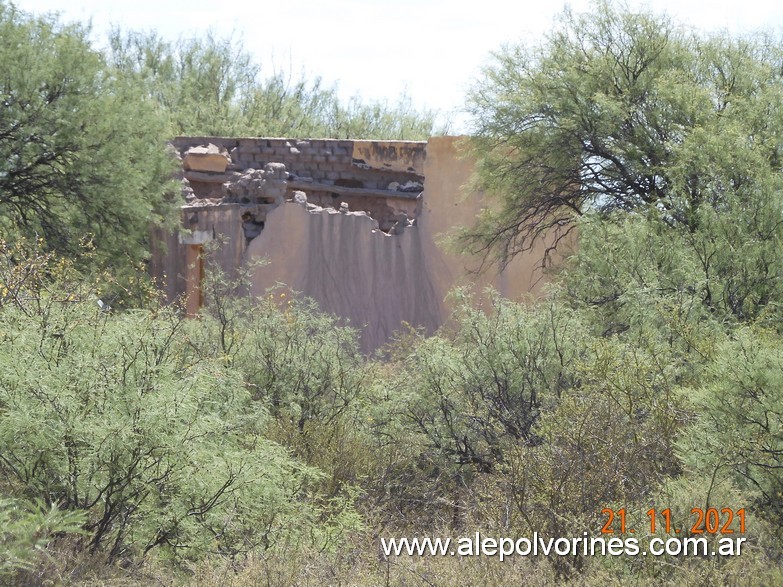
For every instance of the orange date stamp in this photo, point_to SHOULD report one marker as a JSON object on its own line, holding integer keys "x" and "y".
{"x": 701, "y": 521}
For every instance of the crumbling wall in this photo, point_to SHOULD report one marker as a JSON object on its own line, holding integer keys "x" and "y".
{"x": 376, "y": 280}
{"x": 382, "y": 178}
{"x": 356, "y": 225}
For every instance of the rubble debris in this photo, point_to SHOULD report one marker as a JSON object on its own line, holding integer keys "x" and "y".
{"x": 326, "y": 176}
{"x": 256, "y": 186}
{"x": 187, "y": 191}
{"x": 208, "y": 158}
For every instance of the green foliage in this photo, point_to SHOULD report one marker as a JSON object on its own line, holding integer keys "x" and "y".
{"x": 81, "y": 154}
{"x": 619, "y": 110}
{"x": 738, "y": 432}
{"x": 116, "y": 416}
{"x": 300, "y": 366}
{"x": 638, "y": 272}
{"x": 260, "y": 445}
{"x": 195, "y": 84}
{"x": 25, "y": 530}
{"x": 609, "y": 440}
{"x": 664, "y": 145}
{"x": 299, "y": 363}
{"x": 488, "y": 384}
{"x": 303, "y": 367}
{"x": 210, "y": 86}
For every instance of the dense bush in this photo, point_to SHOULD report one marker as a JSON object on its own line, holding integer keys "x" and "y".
{"x": 122, "y": 417}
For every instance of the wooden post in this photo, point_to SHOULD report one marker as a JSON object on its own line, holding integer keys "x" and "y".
{"x": 194, "y": 241}
{"x": 194, "y": 271}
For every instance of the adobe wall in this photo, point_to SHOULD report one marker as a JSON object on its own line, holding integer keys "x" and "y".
{"x": 330, "y": 171}
{"x": 355, "y": 225}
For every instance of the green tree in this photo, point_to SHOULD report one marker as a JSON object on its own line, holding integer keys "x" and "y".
{"x": 81, "y": 154}
{"x": 211, "y": 86}
{"x": 487, "y": 383}
{"x": 619, "y": 110}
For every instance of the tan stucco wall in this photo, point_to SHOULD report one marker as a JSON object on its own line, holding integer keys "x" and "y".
{"x": 447, "y": 206}
{"x": 375, "y": 280}
{"x": 170, "y": 263}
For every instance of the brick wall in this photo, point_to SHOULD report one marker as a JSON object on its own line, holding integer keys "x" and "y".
{"x": 329, "y": 171}
{"x": 321, "y": 160}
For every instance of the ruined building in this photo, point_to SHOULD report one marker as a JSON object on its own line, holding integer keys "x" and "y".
{"x": 356, "y": 225}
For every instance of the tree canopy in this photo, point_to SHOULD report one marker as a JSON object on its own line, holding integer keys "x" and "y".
{"x": 81, "y": 153}
{"x": 212, "y": 86}
{"x": 624, "y": 110}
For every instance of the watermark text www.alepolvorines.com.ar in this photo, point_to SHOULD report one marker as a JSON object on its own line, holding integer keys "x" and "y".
{"x": 585, "y": 545}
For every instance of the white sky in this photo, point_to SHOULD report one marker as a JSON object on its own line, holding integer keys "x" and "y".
{"x": 431, "y": 49}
